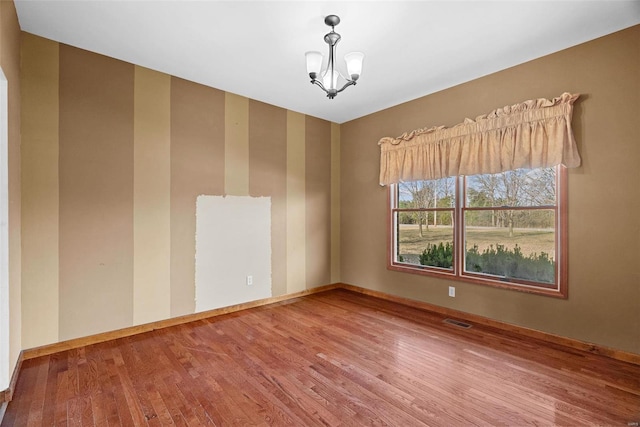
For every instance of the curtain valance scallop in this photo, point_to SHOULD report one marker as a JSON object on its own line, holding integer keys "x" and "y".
{"x": 534, "y": 133}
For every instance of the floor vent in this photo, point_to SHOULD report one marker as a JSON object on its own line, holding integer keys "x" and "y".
{"x": 457, "y": 323}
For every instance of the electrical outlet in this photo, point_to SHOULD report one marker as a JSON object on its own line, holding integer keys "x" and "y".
{"x": 452, "y": 291}
{"x": 249, "y": 280}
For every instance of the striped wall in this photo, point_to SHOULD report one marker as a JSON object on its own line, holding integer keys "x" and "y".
{"x": 113, "y": 158}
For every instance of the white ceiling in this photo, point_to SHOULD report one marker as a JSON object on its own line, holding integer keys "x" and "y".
{"x": 256, "y": 48}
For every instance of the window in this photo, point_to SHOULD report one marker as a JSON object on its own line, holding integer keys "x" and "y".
{"x": 506, "y": 229}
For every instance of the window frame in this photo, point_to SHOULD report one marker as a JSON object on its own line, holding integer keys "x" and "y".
{"x": 559, "y": 289}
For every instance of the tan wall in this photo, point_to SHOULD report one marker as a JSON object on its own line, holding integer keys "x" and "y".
{"x": 318, "y": 198}
{"x": 114, "y": 158}
{"x": 268, "y": 177}
{"x": 151, "y": 195}
{"x": 96, "y": 193}
{"x": 604, "y": 193}
{"x": 10, "y": 63}
{"x": 197, "y": 167}
{"x": 40, "y": 220}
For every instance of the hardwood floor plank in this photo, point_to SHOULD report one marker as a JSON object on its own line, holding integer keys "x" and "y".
{"x": 280, "y": 353}
{"x": 335, "y": 358}
{"x": 124, "y": 403}
{"x": 361, "y": 349}
{"x": 232, "y": 355}
{"x": 39, "y": 389}
{"x": 201, "y": 407}
{"x": 584, "y": 402}
{"x": 26, "y": 384}
{"x": 365, "y": 384}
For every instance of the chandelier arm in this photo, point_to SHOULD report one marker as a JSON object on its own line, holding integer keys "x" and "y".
{"x": 319, "y": 84}
{"x": 346, "y": 85}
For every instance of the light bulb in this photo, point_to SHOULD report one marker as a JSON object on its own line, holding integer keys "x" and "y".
{"x": 328, "y": 82}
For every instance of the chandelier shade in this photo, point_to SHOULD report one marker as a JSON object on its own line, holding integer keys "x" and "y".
{"x": 327, "y": 79}
{"x": 314, "y": 62}
{"x": 354, "y": 63}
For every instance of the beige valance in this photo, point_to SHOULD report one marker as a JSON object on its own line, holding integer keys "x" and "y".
{"x": 534, "y": 133}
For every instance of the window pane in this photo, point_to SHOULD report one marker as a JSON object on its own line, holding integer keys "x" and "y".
{"x": 419, "y": 242}
{"x": 517, "y": 244}
{"x": 522, "y": 187}
{"x": 437, "y": 193}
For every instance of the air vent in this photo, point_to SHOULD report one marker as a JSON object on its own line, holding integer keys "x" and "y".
{"x": 457, "y": 323}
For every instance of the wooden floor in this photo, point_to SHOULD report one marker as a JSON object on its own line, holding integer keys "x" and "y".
{"x": 334, "y": 358}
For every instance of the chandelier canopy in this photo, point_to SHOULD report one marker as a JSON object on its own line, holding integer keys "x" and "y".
{"x": 327, "y": 79}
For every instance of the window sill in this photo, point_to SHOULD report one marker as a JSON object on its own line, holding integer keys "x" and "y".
{"x": 530, "y": 289}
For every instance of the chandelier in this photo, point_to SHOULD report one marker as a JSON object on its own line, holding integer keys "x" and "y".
{"x": 327, "y": 79}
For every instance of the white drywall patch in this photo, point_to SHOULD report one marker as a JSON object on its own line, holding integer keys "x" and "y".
{"x": 233, "y": 248}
